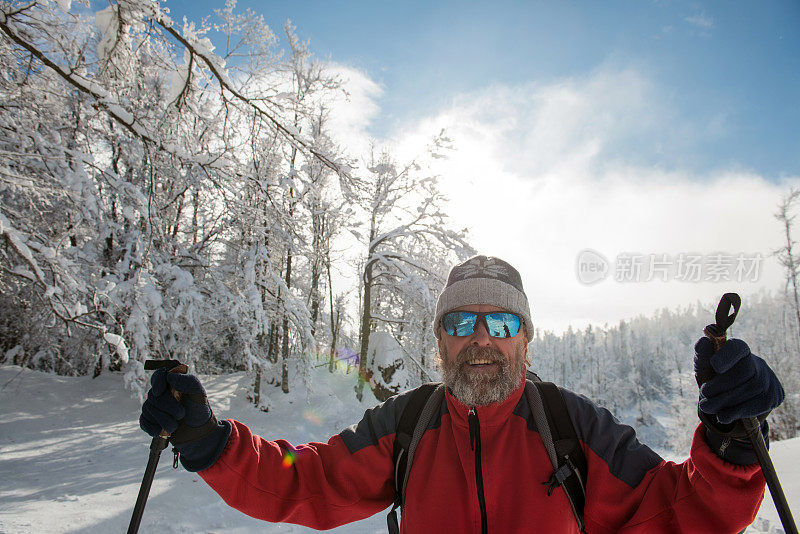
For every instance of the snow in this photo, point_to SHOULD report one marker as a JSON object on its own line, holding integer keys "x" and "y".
{"x": 72, "y": 455}
{"x": 178, "y": 78}
{"x": 13, "y": 353}
{"x": 202, "y": 45}
{"x": 107, "y": 22}
{"x": 784, "y": 455}
{"x": 119, "y": 345}
{"x": 18, "y": 242}
{"x": 384, "y": 350}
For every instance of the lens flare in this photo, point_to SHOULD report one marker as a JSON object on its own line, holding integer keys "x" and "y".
{"x": 312, "y": 417}
{"x": 343, "y": 360}
{"x": 288, "y": 459}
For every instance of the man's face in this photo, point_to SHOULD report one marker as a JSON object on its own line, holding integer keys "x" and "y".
{"x": 479, "y": 369}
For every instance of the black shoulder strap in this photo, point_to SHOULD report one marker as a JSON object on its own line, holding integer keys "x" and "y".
{"x": 533, "y": 377}
{"x": 571, "y": 469}
{"x": 403, "y": 446}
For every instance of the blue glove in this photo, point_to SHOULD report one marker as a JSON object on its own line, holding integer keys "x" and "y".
{"x": 194, "y": 431}
{"x": 736, "y": 384}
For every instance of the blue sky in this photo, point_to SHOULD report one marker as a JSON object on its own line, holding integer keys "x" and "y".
{"x": 661, "y": 129}
{"x": 733, "y": 64}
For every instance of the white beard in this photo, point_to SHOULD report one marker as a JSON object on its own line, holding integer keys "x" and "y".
{"x": 480, "y": 389}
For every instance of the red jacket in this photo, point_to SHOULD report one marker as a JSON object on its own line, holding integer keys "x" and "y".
{"x": 629, "y": 488}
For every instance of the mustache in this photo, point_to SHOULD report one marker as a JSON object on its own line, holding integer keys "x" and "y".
{"x": 472, "y": 352}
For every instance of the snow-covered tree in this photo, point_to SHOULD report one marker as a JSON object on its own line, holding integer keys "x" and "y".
{"x": 788, "y": 254}
{"x": 137, "y": 166}
{"x": 641, "y": 369}
{"x": 409, "y": 248}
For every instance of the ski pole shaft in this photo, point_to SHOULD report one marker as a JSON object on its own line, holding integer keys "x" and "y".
{"x": 717, "y": 334}
{"x": 158, "y": 444}
{"x": 753, "y": 428}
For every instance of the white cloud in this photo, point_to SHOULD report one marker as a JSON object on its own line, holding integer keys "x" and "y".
{"x": 700, "y": 24}
{"x": 702, "y": 21}
{"x": 354, "y": 108}
{"x": 542, "y": 171}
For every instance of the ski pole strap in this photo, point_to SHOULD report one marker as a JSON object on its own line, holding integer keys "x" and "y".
{"x": 185, "y": 433}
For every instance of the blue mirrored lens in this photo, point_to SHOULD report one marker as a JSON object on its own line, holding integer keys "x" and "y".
{"x": 498, "y": 324}
{"x": 502, "y": 324}
{"x": 459, "y": 323}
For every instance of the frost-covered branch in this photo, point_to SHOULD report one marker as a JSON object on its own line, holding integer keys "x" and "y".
{"x": 101, "y": 95}
{"x": 213, "y": 63}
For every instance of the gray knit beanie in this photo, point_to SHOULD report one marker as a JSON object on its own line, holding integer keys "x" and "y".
{"x": 484, "y": 280}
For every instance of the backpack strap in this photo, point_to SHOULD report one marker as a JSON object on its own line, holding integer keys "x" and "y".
{"x": 561, "y": 442}
{"x": 424, "y": 401}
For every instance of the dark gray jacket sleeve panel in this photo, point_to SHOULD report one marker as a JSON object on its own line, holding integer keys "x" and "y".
{"x": 377, "y": 422}
{"x": 615, "y": 443}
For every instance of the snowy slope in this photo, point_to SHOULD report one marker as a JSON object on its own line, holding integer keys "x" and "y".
{"x": 72, "y": 455}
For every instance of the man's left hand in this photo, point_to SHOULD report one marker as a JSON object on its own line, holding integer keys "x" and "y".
{"x": 741, "y": 385}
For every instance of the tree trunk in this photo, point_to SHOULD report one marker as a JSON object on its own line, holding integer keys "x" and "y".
{"x": 422, "y": 376}
{"x": 288, "y": 278}
{"x": 178, "y": 211}
{"x": 366, "y": 319}
{"x": 272, "y": 347}
{"x": 285, "y": 341}
{"x": 334, "y": 322}
{"x": 318, "y": 227}
{"x": 257, "y": 387}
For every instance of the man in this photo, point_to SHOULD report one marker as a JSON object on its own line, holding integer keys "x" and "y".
{"x": 480, "y": 465}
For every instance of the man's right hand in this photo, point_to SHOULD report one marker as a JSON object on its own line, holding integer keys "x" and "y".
{"x": 194, "y": 431}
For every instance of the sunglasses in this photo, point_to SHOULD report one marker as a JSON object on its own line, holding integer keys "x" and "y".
{"x": 498, "y": 324}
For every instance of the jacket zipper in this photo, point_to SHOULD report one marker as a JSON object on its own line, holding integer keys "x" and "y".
{"x": 475, "y": 444}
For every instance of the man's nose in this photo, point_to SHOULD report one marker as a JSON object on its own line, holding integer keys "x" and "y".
{"x": 481, "y": 335}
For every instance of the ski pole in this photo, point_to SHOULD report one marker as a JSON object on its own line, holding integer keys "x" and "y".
{"x": 158, "y": 444}
{"x": 717, "y": 334}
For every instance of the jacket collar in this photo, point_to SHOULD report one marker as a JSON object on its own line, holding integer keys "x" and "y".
{"x": 491, "y": 415}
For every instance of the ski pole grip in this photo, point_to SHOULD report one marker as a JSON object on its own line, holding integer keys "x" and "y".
{"x": 751, "y": 425}
{"x": 711, "y": 332}
{"x": 152, "y": 365}
{"x": 172, "y": 366}
{"x": 717, "y": 332}
{"x": 707, "y": 374}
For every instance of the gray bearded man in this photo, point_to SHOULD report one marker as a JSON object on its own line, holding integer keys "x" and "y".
{"x": 478, "y": 373}
{"x": 489, "y": 456}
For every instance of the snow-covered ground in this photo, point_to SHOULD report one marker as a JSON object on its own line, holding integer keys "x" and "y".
{"x": 72, "y": 455}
